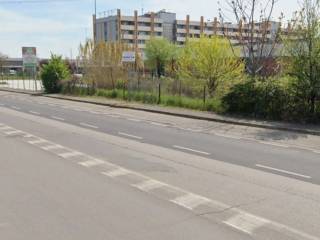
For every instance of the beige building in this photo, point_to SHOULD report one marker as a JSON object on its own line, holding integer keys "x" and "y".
{"x": 136, "y": 30}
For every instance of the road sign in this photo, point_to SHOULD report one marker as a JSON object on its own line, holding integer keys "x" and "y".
{"x": 128, "y": 57}
{"x": 29, "y": 55}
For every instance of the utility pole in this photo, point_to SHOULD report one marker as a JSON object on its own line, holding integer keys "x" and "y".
{"x": 94, "y": 19}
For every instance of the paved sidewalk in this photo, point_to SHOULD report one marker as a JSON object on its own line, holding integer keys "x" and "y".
{"x": 299, "y": 128}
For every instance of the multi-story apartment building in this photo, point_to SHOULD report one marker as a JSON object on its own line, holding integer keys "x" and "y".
{"x": 137, "y": 29}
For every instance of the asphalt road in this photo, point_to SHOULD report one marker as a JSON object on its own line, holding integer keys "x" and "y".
{"x": 75, "y": 171}
{"x": 265, "y": 156}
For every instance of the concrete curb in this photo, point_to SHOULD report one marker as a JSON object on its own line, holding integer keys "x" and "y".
{"x": 192, "y": 116}
{"x": 21, "y": 91}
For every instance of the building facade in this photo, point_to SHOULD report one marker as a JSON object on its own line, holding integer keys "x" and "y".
{"x": 136, "y": 30}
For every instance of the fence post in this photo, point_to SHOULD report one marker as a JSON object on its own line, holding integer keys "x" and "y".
{"x": 159, "y": 94}
{"x": 204, "y": 95}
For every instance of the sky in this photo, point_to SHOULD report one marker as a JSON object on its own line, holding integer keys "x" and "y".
{"x": 59, "y": 26}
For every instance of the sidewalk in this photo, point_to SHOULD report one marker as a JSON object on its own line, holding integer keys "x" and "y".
{"x": 186, "y": 113}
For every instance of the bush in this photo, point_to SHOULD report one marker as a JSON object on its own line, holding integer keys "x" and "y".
{"x": 53, "y": 73}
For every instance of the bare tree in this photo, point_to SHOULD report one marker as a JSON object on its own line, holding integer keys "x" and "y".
{"x": 257, "y": 35}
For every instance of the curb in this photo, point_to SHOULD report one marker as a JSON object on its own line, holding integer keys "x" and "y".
{"x": 190, "y": 116}
{"x": 21, "y": 91}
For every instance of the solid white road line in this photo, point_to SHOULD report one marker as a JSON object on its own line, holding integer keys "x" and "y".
{"x": 316, "y": 151}
{"x": 190, "y": 201}
{"x": 246, "y": 222}
{"x": 33, "y": 112}
{"x": 89, "y": 125}
{"x": 70, "y": 154}
{"x": 149, "y": 185}
{"x": 52, "y": 147}
{"x": 116, "y": 173}
{"x": 57, "y": 118}
{"x": 274, "y": 144}
{"x": 37, "y": 141}
{"x": 91, "y": 163}
{"x": 283, "y": 171}
{"x": 191, "y": 150}
{"x": 129, "y": 135}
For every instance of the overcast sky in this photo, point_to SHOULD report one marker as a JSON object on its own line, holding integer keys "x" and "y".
{"x": 58, "y": 26}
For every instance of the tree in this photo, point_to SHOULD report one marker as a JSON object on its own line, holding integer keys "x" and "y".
{"x": 159, "y": 52}
{"x": 53, "y": 73}
{"x": 211, "y": 60}
{"x": 2, "y": 62}
{"x": 303, "y": 51}
{"x": 258, "y": 34}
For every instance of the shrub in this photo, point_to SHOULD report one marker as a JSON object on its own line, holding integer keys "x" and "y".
{"x": 53, "y": 73}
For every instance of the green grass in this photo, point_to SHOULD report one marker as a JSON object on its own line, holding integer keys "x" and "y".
{"x": 212, "y": 104}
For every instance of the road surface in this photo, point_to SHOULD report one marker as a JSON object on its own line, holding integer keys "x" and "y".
{"x": 79, "y": 171}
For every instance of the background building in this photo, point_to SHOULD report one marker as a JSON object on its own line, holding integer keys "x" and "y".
{"x": 135, "y": 30}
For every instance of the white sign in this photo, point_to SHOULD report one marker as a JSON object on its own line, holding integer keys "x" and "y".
{"x": 29, "y": 55}
{"x": 128, "y": 57}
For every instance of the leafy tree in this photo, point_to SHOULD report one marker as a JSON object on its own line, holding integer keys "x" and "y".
{"x": 159, "y": 52}
{"x": 211, "y": 60}
{"x": 53, "y": 73}
{"x": 303, "y": 51}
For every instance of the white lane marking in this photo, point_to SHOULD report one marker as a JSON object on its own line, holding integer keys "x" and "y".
{"x": 274, "y": 144}
{"x": 91, "y": 163}
{"x": 134, "y": 119}
{"x": 70, "y": 154}
{"x": 15, "y": 107}
{"x": 57, "y": 118}
{"x": 283, "y": 171}
{"x": 52, "y": 147}
{"x": 129, "y": 135}
{"x": 33, "y": 112}
{"x": 5, "y": 128}
{"x": 14, "y": 132}
{"x": 191, "y": 150}
{"x": 159, "y": 124}
{"x": 227, "y": 136}
{"x": 246, "y": 222}
{"x": 94, "y": 112}
{"x": 316, "y": 151}
{"x": 148, "y": 185}
{"x": 89, "y": 125}
{"x": 37, "y": 141}
{"x": 190, "y": 201}
{"x": 117, "y": 173}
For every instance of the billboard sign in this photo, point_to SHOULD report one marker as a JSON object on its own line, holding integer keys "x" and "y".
{"x": 128, "y": 57}
{"x": 29, "y": 55}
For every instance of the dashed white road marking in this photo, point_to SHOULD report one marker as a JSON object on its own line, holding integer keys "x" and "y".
{"x": 13, "y": 132}
{"x": 35, "y": 113}
{"x": 5, "y": 128}
{"x": 117, "y": 172}
{"x": 15, "y": 107}
{"x": 190, "y": 201}
{"x": 89, "y": 125}
{"x": 92, "y": 163}
{"x": 191, "y": 150}
{"x": 57, "y": 118}
{"x": 134, "y": 119}
{"x": 274, "y": 144}
{"x": 246, "y": 222}
{"x": 149, "y": 185}
{"x": 316, "y": 151}
{"x": 37, "y": 141}
{"x": 159, "y": 124}
{"x": 227, "y": 136}
{"x": 283, "y": 171}
{"x": 130, "y": 135}
{"x": 70, "y": 154}
{"x": 52, "y": 147}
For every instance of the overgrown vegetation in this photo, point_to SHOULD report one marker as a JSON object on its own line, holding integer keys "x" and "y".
{"x": 54, "y": 73}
